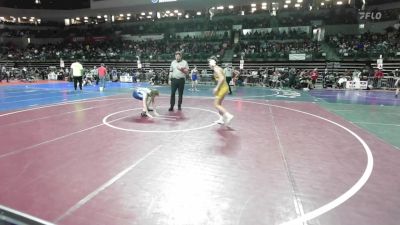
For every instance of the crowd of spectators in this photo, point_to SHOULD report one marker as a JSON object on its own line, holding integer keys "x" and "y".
{"x": 366, "y": 45}
{"x": 223, "y": 20}
{"x": 216, "y": 36}
{"x": 56, "y": 32}
{"x": 115, "y": 49}
{"x": 272, "y": 44}
{"x": 276, "y": 44}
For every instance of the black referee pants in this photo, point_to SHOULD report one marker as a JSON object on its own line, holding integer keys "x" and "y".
{"x": 76, "y": 81}
{"x": 177, "y": 84}
{"x": 228, "y": 80}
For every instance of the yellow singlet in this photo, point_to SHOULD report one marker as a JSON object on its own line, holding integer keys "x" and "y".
{"x": 223, "y": 89}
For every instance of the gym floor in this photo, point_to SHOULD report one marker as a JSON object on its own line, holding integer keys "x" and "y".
{"x": 326, "y": 157}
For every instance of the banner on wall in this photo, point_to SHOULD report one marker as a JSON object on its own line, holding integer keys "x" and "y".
{"x": 297, "y": 57}
{"x": 91, "y": 39}
{"x": 128, "y": 37}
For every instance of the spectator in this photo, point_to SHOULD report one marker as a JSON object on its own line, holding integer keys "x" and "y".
{"x": 102, "y": 73}
{"x": 378, "y": 78}
{"x": 194, "y": 78}
{"x": 314, "y": 77}
{"x": 228, "y": 75}
{"x": 292, "y": 77}
{"x": 77, "y": 73}
{"x": 3, "y": 74}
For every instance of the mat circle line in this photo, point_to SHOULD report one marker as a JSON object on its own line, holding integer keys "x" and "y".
{"x": 349, "y": 193}
{"x": 157, "y": 131}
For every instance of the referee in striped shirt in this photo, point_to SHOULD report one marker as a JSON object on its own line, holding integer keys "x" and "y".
{"x": 177, "y": 75}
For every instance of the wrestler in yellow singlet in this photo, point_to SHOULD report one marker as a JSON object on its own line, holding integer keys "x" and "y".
{"x": 223, "y": 89}
{"x": 220, "y": 91}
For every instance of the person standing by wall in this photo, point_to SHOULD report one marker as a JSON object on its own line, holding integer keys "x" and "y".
{"x": 194, "y": 78}
{"x": 94, "y": 74}
{"x": 292, "y": 77}
{"x": 77, "y": 72}
{"x": 3, "y": 74}
{"x": 378, "y": 77}
{"x": 228, "y": 76}
{"x": 397, "y": 85}
{"x": 314, "y": 76}
{"x": 102, "y": 73}
{"x": 178, "y": 71}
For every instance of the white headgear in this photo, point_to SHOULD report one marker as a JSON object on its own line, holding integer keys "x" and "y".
{"x": 212, "y": 61}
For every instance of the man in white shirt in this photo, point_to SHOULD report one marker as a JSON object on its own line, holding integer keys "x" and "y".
{"x": 177, "y": 74}
{"x": 228, "y": 77}
{"x": 77, "y": 72}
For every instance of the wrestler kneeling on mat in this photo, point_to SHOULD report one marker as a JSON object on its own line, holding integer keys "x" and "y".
{"x": 147, "y": 96}
{"x": 220, "y": 91}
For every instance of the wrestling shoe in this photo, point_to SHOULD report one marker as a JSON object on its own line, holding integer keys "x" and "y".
{"x": 220, "y": 121}
{"x": 227, "y": 119}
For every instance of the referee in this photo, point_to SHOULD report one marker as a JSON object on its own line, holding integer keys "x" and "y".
{"x": 177, "y": 75}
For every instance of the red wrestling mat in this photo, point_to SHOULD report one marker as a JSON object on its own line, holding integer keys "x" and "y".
{"x": 99, "y": 162}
